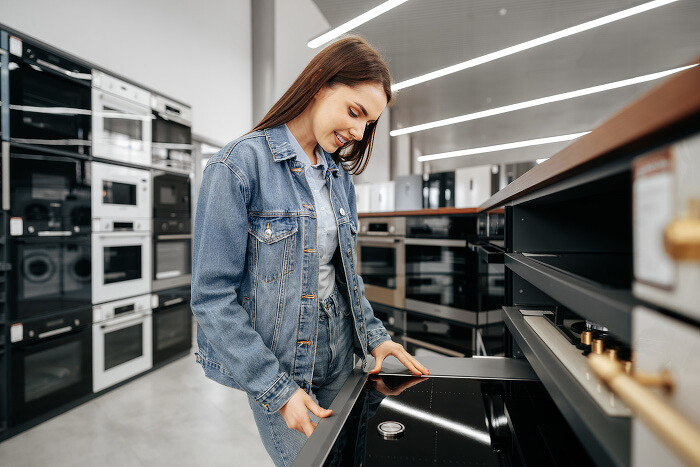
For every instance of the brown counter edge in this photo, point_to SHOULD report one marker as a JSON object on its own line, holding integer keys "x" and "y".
{"x": 421, "y": 212}
{"x": 672, "y": 102}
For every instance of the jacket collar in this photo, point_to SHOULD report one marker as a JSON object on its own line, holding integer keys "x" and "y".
{"x": 282, "y": 149}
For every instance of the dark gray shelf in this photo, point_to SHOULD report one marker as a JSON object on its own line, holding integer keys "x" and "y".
{"x": 606, "y": 438}
{"x": 613, "y": 307}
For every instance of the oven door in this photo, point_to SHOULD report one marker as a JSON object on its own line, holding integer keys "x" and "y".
{"x": 122, "y": 348}
{"x": 172, "y": 145}
{"x": 121, "y": 129}
{"x": 172, "y": 261}
{"x": 171, "y": 197}
{"x": 121, "y": 265}
{"x": 49, "y": 275}
{"x": 50, "y": 372}
{"x": 49, "y": 102}
{"x": 50, "y": 195}
{"x": 120, "y": 192}
{"x": 172, "y": 327}
{"x": 381, "y": 265}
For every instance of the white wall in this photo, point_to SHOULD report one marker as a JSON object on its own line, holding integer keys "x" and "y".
{"x": 196, "y": 52}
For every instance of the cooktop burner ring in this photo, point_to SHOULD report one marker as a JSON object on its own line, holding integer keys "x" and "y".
{"x": 391, "y": 430}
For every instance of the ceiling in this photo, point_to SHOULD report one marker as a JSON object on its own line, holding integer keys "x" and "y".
{"x": 420, "y": 36}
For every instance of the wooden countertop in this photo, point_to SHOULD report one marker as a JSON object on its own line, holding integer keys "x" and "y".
{"x": 421, "y": 212}
{"x": 663, "y": 109}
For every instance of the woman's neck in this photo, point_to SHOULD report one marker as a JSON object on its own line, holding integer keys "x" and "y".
{"x": 301, "y": 129}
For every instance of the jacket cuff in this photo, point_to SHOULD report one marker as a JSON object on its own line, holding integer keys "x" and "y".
{"x": 375, "y": 338}
{"x": 278, "y": 394}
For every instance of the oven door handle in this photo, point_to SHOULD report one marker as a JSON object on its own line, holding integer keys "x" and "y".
{"x": 123, "y": 322}
{"x": 63, "y": 71}
{"x": 6, "y": 175}
{"x": 174, "y": 237}
{"x": 436, "y": 242}
{"x": 55, "y": 332}
{"x": 378, "y": 240}
{"x": 433, "y": 347}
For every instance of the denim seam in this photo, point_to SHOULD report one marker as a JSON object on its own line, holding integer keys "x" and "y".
{"x": 242, "y": 179}
{"x": 275, "y": 239}
{"x": 276, "y": 278}
{"x": 262, "y": 396}
{"x": 280, "y": 307}
{"x": 274, "y": 437}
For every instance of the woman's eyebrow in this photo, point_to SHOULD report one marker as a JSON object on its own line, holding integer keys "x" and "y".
{"x": 364, "y": 111}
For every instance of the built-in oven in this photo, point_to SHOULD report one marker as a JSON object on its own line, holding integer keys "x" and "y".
{"x": 172, "y": 135}
{"x": 121, "y": 260}
{"x": 425, "y": 335}
{"x": 172, "y": 260}
{"x": 49, "y": 98}
{"x": 49, "y": 274}
{"x": 172, "y": 323}
{"x": 381, "y": 259}
{"x": 50, "y": 363}
{"x": 122, "y": 340}
{"x": 122, "y": 193}
{"x": 49, "y": 195}
{"x": 121, "y": 120}
{"x": 171, "y": 200}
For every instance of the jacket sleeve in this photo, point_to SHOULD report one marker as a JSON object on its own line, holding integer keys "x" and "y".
{"x": 376, "y": 332}
{"x": 218, "y": 264}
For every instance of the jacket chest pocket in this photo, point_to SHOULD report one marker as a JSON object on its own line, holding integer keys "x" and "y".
{"x": 271, "y": 246}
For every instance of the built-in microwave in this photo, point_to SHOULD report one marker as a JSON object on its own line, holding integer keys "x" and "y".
{"x": 171, "y": 201}
{"x": 120, "y": 193}
{"x": 172, "y": 135}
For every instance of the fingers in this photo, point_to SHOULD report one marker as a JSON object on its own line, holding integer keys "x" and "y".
{"x": 307, "y": 426}
{"x": 317, "y": 409}
{"x": 403, "y": 358}
{"x": 418, "y": 365}
{"x": 377, "y": 365}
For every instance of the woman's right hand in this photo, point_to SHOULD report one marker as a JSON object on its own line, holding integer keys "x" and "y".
{"x": 296, "y": 412}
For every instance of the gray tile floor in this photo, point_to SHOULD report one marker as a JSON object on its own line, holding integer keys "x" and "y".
{"x": 173, "y": 416}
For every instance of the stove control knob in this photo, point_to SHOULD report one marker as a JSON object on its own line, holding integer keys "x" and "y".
{"x": 30, "y": 229}
{"x": 391, "y": 430}
{"x": 586, "y": 337}
{"x": 612, "y": 354}
{"x": 597, "y": 346}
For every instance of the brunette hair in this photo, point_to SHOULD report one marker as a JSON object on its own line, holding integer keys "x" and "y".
{"x": 349, "y": 61}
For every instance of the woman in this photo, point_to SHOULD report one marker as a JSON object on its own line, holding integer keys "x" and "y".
{"x": 280, "y": 308}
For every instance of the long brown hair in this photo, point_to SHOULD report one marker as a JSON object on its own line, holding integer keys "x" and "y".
{"x": 348, "y": 61}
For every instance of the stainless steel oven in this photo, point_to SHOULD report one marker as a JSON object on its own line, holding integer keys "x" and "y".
{"x": 121, "y": 120}
{"x": 49, "y": 274}
{"x": 50, "y": 363}
{"x": 49, "y": 98}
{"x": 172, "y": 135}
{"x": 122, "y": 340}
{"x": 120, "y": 193}
{"x": 381, "y": 259}
{"x": 50, "y": 195}
{"x": 172, "y": 323}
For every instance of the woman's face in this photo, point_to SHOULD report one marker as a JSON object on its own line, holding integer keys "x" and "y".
{"x": 340, "y": 114}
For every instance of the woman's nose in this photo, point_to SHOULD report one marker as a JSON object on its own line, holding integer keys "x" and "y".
{"x": 357, "y": 133}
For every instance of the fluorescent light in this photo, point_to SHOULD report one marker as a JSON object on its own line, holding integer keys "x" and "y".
{"x": 532, "y": 43}
{"x": 501, "y": 147}
{"x": 353, "y": 23}
{"x": 536, "y": 102}
{"x": 539, "y": 161}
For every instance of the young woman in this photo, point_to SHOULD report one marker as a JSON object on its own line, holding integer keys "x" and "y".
{"x": 280, "y": 307}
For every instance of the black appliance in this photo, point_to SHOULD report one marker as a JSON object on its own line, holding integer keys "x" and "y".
{"x": 172, "y": 135}
{"x": 172, "y": 324}
{"x": 50, "y": 98}
{"x": 51, "y": 363}
{"x": 50, "y": 195}
{"x": 439, "y": 190}
{"x": 49, "y": 274}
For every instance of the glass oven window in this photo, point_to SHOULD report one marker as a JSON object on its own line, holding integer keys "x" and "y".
{"x": 118, "y": 193}
{"x": 172, "y": 259}
{"x": 52, "y": 370}
{"x": 122, "y": 263}
{"x": 173, "y": 328}
{"x": 123, "y": 346}
{"x": 436, "y": 274}
{"x": 168, "y": 195}
{"x": 379, "y": 266}
{"x": 126, "y": 131}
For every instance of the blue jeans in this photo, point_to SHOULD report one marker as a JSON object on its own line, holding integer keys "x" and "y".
{"x": 332, "y": 366}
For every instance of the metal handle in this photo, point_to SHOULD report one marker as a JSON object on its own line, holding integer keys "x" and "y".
{"x": 6, "y": 175}
{"x": 174, "y": 237}
{"x": 436, "y": 348}
{"x": 126, "y": 320}
{"x": 174, "y": 301}
{"x": 369, "y": 240}
{"x": 72, "y": 74}
{"x": 682, "y": 236}
{"x": 55, "y": 332}
{"x": 436, "y": 242}
{"x": 672, "y": 427}
{"x": 55, "y": 233}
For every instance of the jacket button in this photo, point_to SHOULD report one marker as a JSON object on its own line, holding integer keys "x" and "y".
{"x": 349, "y": 252}
{"x": 362, "y": 327}
{"x": 355, "y": 289}
{"x": 342, "y": 211}
{"x": 268, "y": 233}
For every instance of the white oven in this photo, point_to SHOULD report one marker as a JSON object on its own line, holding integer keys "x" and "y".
{"x": 120, "y": 192}
{"x": 122, "y": 340}
{"x": 121, "y": 120}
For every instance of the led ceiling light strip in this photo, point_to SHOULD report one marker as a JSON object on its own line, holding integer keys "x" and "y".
{"x": 536, "y": 102}
{"x": 501, "y": 147}
{"x": 532, "y": 43}
{"x": 353, "y": 23}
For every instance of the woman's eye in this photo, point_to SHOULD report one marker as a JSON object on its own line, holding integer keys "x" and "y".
{"x": 352, "y": 113}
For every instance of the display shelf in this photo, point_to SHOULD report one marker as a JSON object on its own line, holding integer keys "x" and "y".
{"x": 606, "y": 438}
{"x": 591, "y": 300}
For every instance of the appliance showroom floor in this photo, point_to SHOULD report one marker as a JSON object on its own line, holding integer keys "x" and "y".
{"x": 173, "y": 416}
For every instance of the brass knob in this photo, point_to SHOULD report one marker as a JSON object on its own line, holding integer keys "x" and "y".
{"x": 682, "y": 236}
{"x": 612, "y": 353}
{"x": 597, "y": 346}
{"x": 627, "y": 366}
{"x": 586, "y": 337}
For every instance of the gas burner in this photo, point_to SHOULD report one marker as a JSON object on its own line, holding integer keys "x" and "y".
{"x": 391, "y": 430}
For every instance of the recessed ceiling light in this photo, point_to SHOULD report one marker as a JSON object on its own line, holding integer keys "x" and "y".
{"x": 501, "y": 147}
{"x": 353, "y": 23}
{"x": 536, "y": 102}
{"x": 532, "y": 43}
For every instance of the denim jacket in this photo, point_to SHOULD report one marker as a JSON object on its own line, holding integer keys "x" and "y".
{"x": 255, "y": 268}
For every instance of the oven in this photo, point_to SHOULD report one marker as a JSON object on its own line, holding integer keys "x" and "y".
{"x": 49, "y": 195}
{"x": 172, "y": 135}
{"x": 49, "y": 274}
{"x": 122, "y": 340}
{"x": 121, "y": 261}
{"x": 120, "y": 192}
{"x": 121, "y": 120}
{"x": 172, "y": 323}
{"x": 50, "y": 363}
{"x": 49, "y": 99}
{"x": 381, "y": 259}
{"x": 425, "y": 335}
{"x": 171, "y": 200}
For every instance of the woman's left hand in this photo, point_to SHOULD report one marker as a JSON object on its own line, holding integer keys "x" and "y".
{"x": 392, "y": 348}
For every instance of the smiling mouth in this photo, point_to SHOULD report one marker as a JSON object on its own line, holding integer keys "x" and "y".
{"x": 339, "y": 140}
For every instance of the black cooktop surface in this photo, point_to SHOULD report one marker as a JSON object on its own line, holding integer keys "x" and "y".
{"x": 455, "y": 421}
